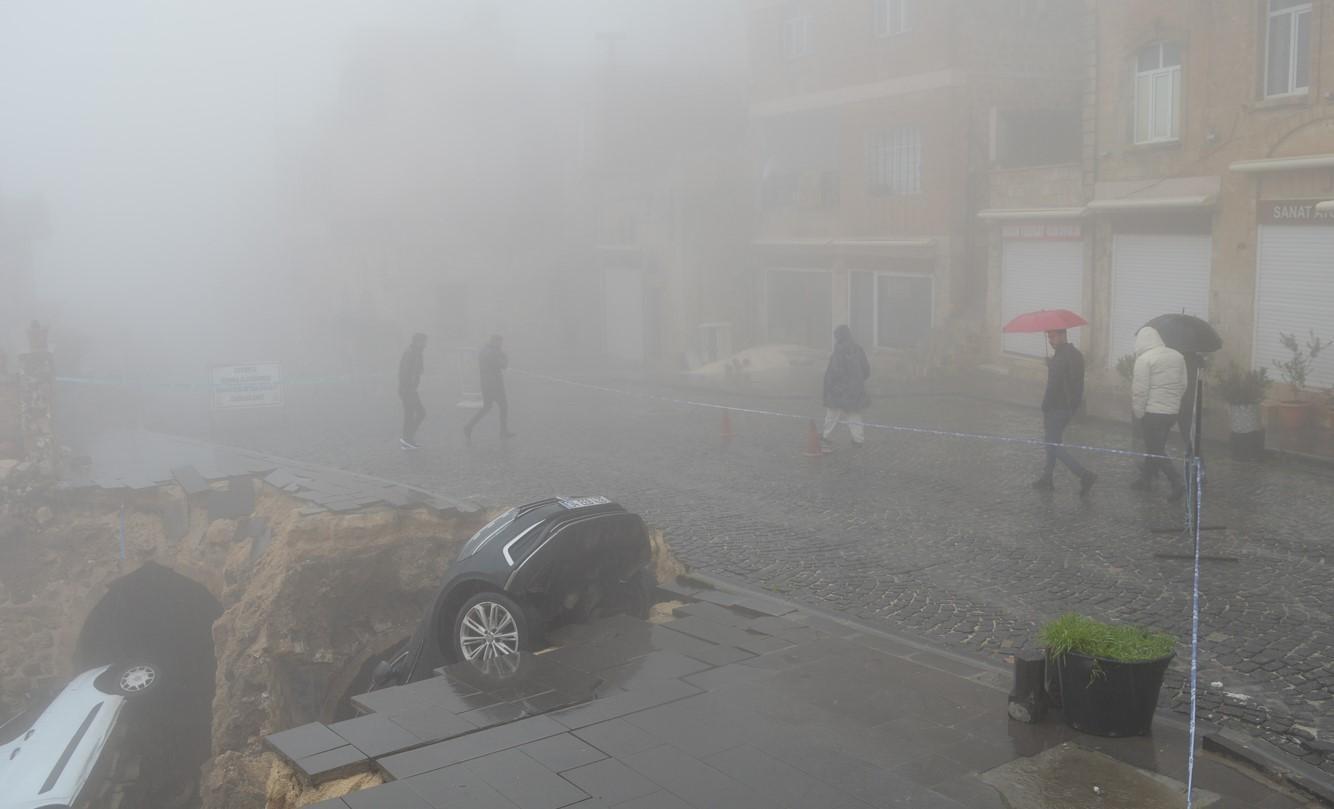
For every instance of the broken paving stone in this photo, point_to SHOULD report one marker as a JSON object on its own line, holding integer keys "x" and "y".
{"x": 233, "y": 502}
{"x": 190, "y": 480}
{"x": 304, "y": 741}
{"x": 333, "y": 764}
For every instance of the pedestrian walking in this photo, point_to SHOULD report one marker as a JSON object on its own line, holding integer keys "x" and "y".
{"x": 492, "y": 362}
{"x": 409, "y": 378}
{"x": 1157, "y": 390}
{"x": 845, "y": 388}
{"x": 1060, "y": 402}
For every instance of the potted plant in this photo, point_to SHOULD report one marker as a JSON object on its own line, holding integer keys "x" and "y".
{"x": 1110, "y": 674}
{"x": 1296, "y": 412}
{"x": 1244, "y": 391}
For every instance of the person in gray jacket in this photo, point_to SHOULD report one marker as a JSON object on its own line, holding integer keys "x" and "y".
{"x": 1157, "y": 389}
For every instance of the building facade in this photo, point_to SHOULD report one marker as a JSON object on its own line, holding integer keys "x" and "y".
{"x": 1208, "y": 142}
{"x": 876, "y": 126}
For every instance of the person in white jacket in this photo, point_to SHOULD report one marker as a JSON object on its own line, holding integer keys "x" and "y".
{"x": 1157, "y": 390}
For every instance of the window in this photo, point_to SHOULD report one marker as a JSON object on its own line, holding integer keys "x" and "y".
{"x": 1288, "y": 48}
{"x": 891, "y": 17}
{"x": 796, "y": 37}
{"x": 890, "y": 310}
{"x": 894, "y": 160}
{"x": 1038, "y": 137}
{"x": 1158, "y": 93}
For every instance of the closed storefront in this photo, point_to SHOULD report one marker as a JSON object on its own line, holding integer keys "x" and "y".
{"x": 1042, "y": 267}
{"x": 892, "y": 310}
{"x": 1295, "y": 282}
{"x": 1155, "y": 274}
{"x": 799, "y": 307}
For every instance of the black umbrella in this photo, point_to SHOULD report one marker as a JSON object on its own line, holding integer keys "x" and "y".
{"x": 1187, "y": 334}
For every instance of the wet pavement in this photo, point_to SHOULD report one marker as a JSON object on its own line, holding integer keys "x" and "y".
{"x": 938, "y": 537}
{"x": 732, "y": 703}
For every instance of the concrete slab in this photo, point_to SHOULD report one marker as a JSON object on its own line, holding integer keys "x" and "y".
{"x": 1071, "y": 777}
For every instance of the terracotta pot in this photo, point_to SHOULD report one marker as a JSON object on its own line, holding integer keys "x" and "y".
{"x": 1295, "y": 415}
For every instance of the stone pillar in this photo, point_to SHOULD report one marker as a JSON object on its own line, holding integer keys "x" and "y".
{"x": 37, "y": 403}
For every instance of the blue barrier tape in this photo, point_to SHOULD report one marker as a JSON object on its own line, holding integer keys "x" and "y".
{"x": 1006, "y": 439}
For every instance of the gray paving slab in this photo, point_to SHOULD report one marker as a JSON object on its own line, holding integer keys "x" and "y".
{"x": 304, "y": 740}
{"x": 331, "y": 765}
{"x": 393, "y": 795}
{"x": 618, "y": 737}
{"x": 190, "y": 480}
{"x": 458, "y": 787}
{"x": 786, "y": 786}
{"x": 526, "y": 783}
{"x": 692, "y": 780}
{"x": 375, "y": 735}
{"x": 616, "y": 705}
{"x": 472, "y": 746}
{"x": 1061, "y": 778}
{"x": 234, "y": 501}
{"x": 563, "y": 752}
{"x": 431, "y": 723}
{"x": 611, "y": 781}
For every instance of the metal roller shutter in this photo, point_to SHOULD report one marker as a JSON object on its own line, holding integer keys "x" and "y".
{"x": 1040, "y": 275}
{"x": 1295, "y": 294}
{"x": 1155, "y": 275}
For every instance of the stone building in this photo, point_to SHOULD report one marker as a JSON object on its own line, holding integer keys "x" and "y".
{"x": 880, "y": 127}
{"x": 1208, "y": 141}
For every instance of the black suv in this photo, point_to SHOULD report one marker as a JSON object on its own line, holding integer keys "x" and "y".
{"x": 556, "y": 561}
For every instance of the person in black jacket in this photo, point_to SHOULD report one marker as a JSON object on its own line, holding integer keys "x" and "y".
{"x": 845, "y": 388}
{"x": 1064, "y": 395}
{"x": 492, "y": 362}
{"x": 409, "y": 378}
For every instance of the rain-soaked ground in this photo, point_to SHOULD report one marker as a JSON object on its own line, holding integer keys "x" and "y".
{"x": 937, "y": 536}
{"x": 755, "y": 704}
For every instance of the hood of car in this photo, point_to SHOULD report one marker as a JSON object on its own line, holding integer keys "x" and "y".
{"x": 50, "y": 762}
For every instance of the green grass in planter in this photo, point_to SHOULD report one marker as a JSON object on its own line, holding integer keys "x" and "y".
{"x": 1083, "y": 635}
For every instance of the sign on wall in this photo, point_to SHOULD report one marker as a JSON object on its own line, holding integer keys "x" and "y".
{"x": 1294, "y": 212}
{"x": 256, "y": 385}
{"x": 1043, "y": 231}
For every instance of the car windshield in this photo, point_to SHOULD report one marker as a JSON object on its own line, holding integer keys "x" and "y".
{"x": 489, "y": 530}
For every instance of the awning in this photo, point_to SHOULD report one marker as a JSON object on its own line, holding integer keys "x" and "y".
{"x": 1153, "y": 203}
{"x": 1009, "y": 214}
{"x": 1320, "y": 161}
{"x": 1164, "y": 194}
{"x": 1326, "y": 207}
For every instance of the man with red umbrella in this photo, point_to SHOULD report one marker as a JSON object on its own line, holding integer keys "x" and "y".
{"x": 1064, "y": 394}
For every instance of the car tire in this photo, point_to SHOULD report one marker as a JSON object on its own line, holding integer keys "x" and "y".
{"x": 489, "y": 625}
{"x": 135, "y": 680}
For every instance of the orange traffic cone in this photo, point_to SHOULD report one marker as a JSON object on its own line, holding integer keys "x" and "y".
{"x": 814, "y": 448}
{"x": 727, "y": 426}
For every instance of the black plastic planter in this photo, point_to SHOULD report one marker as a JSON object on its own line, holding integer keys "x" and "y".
{"x": 1109, "y": 697}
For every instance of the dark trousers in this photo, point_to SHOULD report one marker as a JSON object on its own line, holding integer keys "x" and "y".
{"x": 489, "y": 398}
{"x": 1156, "y": 427}
{"x": 1054, "y": 423}
{"x": 413, "y": 413}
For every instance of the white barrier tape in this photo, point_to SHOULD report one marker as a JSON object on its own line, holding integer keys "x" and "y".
{"x": 1008, "y": 439}
{"x": 1197, "y": 505}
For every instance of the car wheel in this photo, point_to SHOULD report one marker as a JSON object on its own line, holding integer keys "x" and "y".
{"x": 490, "y": 625}
{"x": 136, "y": 680}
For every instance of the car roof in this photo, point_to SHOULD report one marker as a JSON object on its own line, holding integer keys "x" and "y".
{"x": 50, "y": 762}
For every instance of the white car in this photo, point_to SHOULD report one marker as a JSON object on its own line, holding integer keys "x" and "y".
{"x": 56, "y": 763}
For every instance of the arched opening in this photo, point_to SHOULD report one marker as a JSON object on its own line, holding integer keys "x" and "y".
{"x": 157, "y": 616}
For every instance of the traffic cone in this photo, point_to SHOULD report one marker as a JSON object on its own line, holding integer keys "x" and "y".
{"x": 814, "y": 449}
{"x": 727, "y": 426}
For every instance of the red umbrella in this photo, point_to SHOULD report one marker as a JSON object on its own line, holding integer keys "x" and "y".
{"x": 1045, "y": 320}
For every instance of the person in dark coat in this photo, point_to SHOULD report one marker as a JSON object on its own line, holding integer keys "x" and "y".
{"x": 845, "y": 388}
{"x": 1060, "y": 402}
{"x": 492, "y": 362}
{"x": 409, "y": 378}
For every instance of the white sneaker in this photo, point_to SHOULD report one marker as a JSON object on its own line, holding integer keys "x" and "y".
{"x": 404, "y": 443}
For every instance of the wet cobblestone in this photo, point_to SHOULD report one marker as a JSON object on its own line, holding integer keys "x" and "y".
{"x": 933, "y": 536}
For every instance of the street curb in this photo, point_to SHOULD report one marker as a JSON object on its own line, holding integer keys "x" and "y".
{"x": 1272, "y": 762}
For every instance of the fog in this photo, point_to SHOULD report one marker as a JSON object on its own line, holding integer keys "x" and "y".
{"x": 171, "y": 158}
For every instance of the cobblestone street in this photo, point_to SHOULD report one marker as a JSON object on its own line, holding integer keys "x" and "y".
{"x": 938, "y": 537}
